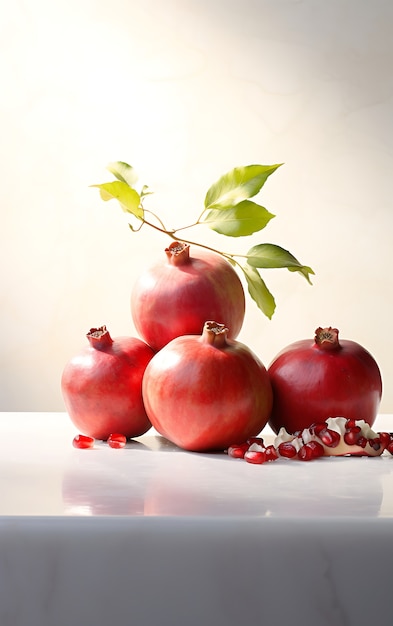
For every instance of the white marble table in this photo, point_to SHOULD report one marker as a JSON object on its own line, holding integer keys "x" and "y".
{"x": 150, "y": 534}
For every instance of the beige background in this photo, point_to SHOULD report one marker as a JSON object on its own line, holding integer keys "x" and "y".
{"x": 184, "y": 91}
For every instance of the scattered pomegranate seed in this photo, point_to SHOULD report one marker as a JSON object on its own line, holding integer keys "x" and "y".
{"x": 237, "y": 450}
{"x": 311, "y": 450}
{"x": 116, "y": 440}
{"x": 271, "y": 453}
{"x": 287, "y": 450}
{"x": 255, "y": 456}
{"x": 83, "y": 442}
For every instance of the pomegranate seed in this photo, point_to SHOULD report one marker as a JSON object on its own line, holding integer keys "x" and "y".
{"x": 329, "y": 438}
{"x": 385, "y": 439}
{"x": 362, "y": 442}
{"x": 311, "y": 450}
{"x": 117, "y": 440}
{"x": 287, "y": 450}
{"x": 271, "y": 453}
{"x": 237, "y": 450}
{"x": 317, "y": 427}
{"x": 390, "y": 447}
{"x": 255, "y": 456}
{"x": 83, "y": 442}
{"x": 354, "y": 429}
{"x": 351, "y": 437}
{"x": 375, "y": 443}
{"x": 350, "y": 423}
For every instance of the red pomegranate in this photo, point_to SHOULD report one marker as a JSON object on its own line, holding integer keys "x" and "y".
{"x": 203, "y": 392}
{"x": 175, "y": 297}
{"x": 102, "y": 386}
{"x": 313, "y": 380}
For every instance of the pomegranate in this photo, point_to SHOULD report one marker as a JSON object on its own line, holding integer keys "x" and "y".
{"x": 177, "y": 296}
{"x": 315, "y": 380}
{"x": 102, "y": 386}
{"x": 202, "y": 392}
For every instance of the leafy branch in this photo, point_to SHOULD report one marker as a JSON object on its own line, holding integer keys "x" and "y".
{"x": 227, "y": 210}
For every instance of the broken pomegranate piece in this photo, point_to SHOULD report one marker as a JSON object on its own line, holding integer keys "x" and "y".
{"x": 337, "y": 436}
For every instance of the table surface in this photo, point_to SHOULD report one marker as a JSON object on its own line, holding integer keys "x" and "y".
{"x": 151, "y": 533}
{"x": 42, "y": 474}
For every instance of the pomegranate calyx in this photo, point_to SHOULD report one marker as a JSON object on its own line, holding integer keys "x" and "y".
{"x": 215, "y": 334}
{"x": 178, "y": 253}
{"x": 327, "y": 338}
{"x": 99, "y": 338}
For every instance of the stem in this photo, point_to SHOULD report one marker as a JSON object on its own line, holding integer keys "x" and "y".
{"x": 197, "y": 223}
{"x": 173, "y": 235}
{"x": 157, "y": 218}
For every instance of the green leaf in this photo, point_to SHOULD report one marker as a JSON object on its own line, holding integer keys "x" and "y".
{"x": 129, "y": 199}
{"x": 245, "y": 218}
{"x": 268, "y": 255}
{"x": 145, "y": 191}
{"x": 123, "y": 172}
{"x": 237, "y": 185}
{"x": 258, "y": 291}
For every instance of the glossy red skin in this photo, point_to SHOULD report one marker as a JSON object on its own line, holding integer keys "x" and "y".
{"x": 311, "y": 384}
{"x": 205, "y": 398}
{"x": 102, "y": 389}
{"x": 169, "y": 301}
